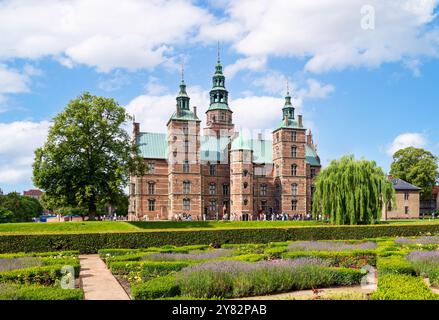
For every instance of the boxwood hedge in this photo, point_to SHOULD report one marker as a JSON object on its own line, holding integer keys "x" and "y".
{"x": 91, "y": 243}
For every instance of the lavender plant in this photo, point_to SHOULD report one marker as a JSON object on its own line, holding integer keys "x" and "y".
{"x": 426, "y": 263}
{"x": 330, "y": 246}
{"x": 426, "y": 240}
{"x": 238, "y": 279}
{"x": 193, "y": 255}
{"x": 19, "y": 263}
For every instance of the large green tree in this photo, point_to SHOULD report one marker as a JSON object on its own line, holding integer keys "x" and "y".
{"x": 88, "y": 156}
{"x": 416, "y": 166}
{"x": 17, "y": 208}
{"x": 351, "y": 192}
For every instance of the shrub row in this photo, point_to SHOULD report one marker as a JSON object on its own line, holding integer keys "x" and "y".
{"x": 46, "y": 275}
{"x": 91, "y": 243}
{"x": 220, "y": 283}
{"x": 347, "y": 259}
{"x": 152, "y": 267}
{"x": 395, "y": 264}
{"x": 402, "y": 287}
{"x": 36, "y": 292}
{"x": 161, "y": 287}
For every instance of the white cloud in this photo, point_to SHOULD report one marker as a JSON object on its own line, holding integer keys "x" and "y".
{"x": 117, "y": 81}
{"x": 154, "y": 111}
{"x": 328, "y": 34}
{"x": 19, "y": 140}
{"x": 274, "y": 82}
{"x": 154, "y": 88}
{"x": 137, "y": 34}
{"x": 252, "y": 63}
{"x": 316, "y": 90}
{"x": 405, "y": 140}
{"x": 13, "y": 81}
{"x": 105, "y": 34}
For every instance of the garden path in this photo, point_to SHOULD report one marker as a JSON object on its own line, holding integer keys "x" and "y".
{"x": 309, "y": 294}
{"x": 97, "y": 281}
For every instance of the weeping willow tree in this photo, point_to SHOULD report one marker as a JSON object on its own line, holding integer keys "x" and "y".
{"x": 352, "y": 192}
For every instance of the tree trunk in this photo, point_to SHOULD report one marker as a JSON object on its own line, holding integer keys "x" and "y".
{"x": 92, "y": 211}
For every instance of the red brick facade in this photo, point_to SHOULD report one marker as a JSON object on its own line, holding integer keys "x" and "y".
{"x": 220, "y": 172}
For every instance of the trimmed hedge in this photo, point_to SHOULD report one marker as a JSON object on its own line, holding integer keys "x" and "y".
{"x": 157, "y": 288}
{"x": 153, "y": 267}
{"x": 91, "y": 243}
{"x": 402, "y": 287}
{"x": 396, "y": 264}
{"x": 347, "y": 259}
{"x": 35, "y": 292}
{"x": 46, "y": 275}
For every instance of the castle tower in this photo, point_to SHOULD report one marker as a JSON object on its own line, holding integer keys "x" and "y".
{"x": 289, "y": 160}
{"x": 241, "y": 178}
{"x": 219, "y": 116}
{"x": 184, "y": 168}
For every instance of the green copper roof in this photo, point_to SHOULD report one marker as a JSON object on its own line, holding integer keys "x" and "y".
{"x": 155, "y": 146}
{"x": 185, "y": 115}
{"x": 311, "y": 157}
{"x": 292, "y": 124}
{"x": 241, "y": 143}
{"x": 218, "y": 106}
{"x": 152, "y": 145}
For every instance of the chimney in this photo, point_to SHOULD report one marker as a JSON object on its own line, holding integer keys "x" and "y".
{"x": 136, "y": 129}
{"x": 309, "y": 139}
{"x": 286, "y": 120}
{"x": 300, "y": 121}
{"x": 195, "y": 112}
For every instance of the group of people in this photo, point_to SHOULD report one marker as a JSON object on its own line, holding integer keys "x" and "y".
{"x": 182, "y": 216}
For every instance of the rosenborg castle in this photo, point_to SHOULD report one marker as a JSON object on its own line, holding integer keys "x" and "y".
{"x": 222, "y": 173}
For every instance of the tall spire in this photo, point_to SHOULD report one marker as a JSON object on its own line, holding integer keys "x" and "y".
{"x": 182, "y": 70}
{"x": 288, "y": 109}
{"x": 183, "y": 98}
{"x": 219, "y": 53}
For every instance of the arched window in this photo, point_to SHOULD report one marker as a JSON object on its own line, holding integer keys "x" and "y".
{"x": 294, "y": 151}
{"x": 186, "y": 166}
{"x": 245, "y": 173}
{"x": 151, "y": 187}
{"x": 245, "y": 185}
{"x": 294, "y": 189}
{"x": 186, "y": 204}
{"x": 186, "y": 187}
{"x": 245, "y": 202}
{"x": 294, "y": 205}
{"x": 294, "y": 170}
{"x": 294, "y": 136}
{"x": 212, "y": 188}
{"x": 263, "y": 190}
{"x": 212, "y": 206}
{"x": 151, "y": 205}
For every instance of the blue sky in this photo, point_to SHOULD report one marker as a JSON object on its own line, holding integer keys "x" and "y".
{"x": 364, "y": 77}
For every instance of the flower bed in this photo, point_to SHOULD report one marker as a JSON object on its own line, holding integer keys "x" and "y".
{"x": 426, "y": 263}
{"x": 333, "y": 246}
{"x": 240, "y": 279}
{"x": 34, "y": 276}
{"x": 402, "y": 287}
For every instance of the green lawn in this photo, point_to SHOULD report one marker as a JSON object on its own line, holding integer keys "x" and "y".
{"x": 104, "y": 226}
